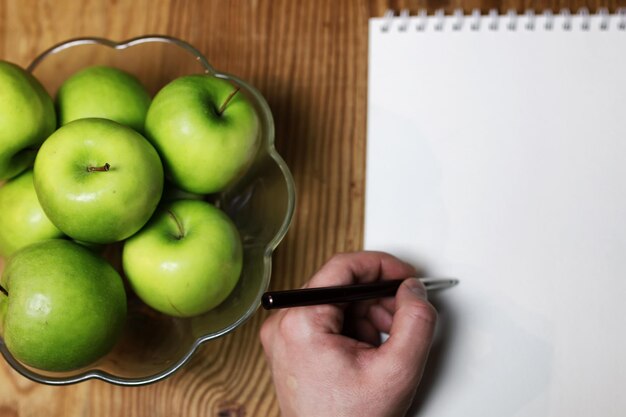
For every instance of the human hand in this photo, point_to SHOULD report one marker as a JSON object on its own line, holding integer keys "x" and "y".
{"x": 328, "y": 360}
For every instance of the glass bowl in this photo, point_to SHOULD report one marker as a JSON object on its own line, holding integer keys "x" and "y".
{"x": 260, "y": 202}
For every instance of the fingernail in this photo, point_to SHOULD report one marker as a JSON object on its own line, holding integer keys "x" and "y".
{"x": 417, "y": 287}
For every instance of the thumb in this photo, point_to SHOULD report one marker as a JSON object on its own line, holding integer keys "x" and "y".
{"x": 412, "y": 328}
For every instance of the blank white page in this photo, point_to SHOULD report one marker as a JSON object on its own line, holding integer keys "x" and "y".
{"x": 498, "y": 156}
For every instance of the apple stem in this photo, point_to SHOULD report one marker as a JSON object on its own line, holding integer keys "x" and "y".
{"x": 103, "y": 168}
{"x": 181, "y": 230}
{"x": 4, "y": 291}
{"x": 228, "y": 99}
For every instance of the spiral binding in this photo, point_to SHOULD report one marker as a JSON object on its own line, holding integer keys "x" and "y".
{"x": 510, "y": 21}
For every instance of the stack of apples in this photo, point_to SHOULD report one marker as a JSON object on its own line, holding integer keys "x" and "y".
{"x": 107, "y": 163}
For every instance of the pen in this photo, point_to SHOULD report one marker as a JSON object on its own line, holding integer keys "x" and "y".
{"x": 345, "y": 293}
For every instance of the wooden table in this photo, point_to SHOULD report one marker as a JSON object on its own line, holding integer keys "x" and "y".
{"x": 309, "y": 59}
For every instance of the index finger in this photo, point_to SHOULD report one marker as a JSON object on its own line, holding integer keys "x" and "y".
{"x": 360, "y": 267}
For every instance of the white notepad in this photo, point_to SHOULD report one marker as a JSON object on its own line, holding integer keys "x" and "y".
{"x": 496, "y": 154}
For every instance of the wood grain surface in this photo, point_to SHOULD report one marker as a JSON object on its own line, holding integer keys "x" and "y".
{"x": 309, "y": 59}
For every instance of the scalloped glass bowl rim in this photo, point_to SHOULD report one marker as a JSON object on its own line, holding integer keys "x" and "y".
{"x": 271, "y": 246}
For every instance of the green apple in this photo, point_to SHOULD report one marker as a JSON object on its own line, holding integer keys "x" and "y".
{"x": 206, "y": 131}
{"x": 98, "y": 181}
{"x": 65, "y": 308}
{"x": 27, "y": 118}
{"x": 103, "y": 92}
{"x": 23, "y": 221}
{"x": 187, "y": 259}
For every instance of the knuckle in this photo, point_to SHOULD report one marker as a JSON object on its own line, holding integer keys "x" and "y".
{"x": 326, "y": 317}
{"x": 290, "y": 327}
